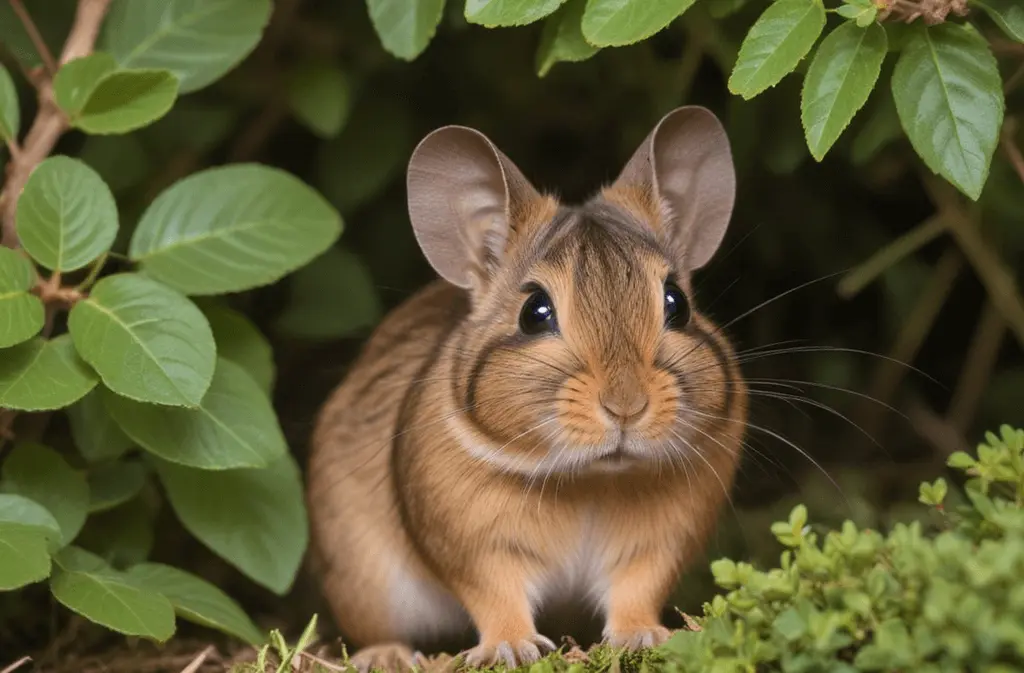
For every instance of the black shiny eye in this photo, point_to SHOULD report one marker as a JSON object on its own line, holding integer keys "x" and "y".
{"x": 677, "y": 308}
{"x": 538, "y": 314}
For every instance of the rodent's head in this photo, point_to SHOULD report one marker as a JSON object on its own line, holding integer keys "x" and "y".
{"x": 583, "y": 350}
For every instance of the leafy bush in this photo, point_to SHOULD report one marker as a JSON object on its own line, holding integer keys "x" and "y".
{"x": 149, "y": 359}
{"x": 945, "y": 597}
{"x": 946, "y": 86}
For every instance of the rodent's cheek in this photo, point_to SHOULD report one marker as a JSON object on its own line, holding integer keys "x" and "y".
{"x": 663, "y": 409}
{"x": 577, "y": 407}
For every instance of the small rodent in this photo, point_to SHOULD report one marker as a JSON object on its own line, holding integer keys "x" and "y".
{"x": 554, "y": 417}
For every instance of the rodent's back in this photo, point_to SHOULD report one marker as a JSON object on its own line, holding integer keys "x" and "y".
{"x": 350, "y": 495}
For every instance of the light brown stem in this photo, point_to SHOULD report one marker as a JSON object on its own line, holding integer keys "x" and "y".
{"x": 50, "y": 123}
{"x": 1010, "y": 147}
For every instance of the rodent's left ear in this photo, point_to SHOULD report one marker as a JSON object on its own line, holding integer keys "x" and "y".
{"x": 462, "y": 194}
{"x": 686, "y": 164}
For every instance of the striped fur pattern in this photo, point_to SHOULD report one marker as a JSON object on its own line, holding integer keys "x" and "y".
{"x": 466, "y": 474}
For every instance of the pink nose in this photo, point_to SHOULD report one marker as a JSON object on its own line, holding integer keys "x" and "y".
{"x": 624, "y": 407}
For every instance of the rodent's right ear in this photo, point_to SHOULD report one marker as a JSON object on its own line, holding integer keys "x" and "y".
{"x": 462, "y": 191}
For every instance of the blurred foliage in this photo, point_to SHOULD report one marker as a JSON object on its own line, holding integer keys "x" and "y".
{"x": 891, "y": 335}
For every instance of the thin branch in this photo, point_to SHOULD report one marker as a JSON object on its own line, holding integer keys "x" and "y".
{"x": 1010, "y": 147}
{"x": 997, "y": 278}
{"x": 35, "y": 36}
{"x": 50, "y": 122}
{"x": 860, "y": 277}
{"x": 16, "y": 665}
{"x": 977, "y": 369}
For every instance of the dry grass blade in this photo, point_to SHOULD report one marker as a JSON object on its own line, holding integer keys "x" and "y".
{"x": 198, "y": 661}
{"x": 16, "y": 665}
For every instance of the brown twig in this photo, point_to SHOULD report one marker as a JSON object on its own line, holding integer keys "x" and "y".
{"x": 974, "y": 375}
{"x": 50, "y": 122}
{"x": 16, "y": 665}
{"x": 194, "y": 665}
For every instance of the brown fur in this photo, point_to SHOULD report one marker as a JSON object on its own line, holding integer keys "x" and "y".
{"x": 467, "y": 463}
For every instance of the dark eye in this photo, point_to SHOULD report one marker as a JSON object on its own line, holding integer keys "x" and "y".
{"x": 538, "y": 314}
{"x": 677, "y": 308}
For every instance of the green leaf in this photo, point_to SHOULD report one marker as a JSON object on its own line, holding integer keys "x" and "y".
{"x": 494, "y": 13}
{"x": 319, "y": 97}
{"x": 66, "y": 214}
{"x": 259, "y": 223}
{"x": 85, "y": 584}
{"x": 615, "y": 23}
{"x": 26, "y": 512}
{"x": 40, "y": 474}
{"x": 21, "y": 314}
{"x": 96, "y": 435}
{"x": 43, "y": 374}
{"x": 241, "y": 342}
{"x": 1008, "y": 15}
{"x": 147, "y": 342}
{"x": 77, "y": 79}
{"x": 254, "y": 519}
{"x": 405, "y": 28}
{"x": 198, "y": 40}
{"x": 127, "y": 100}
{"x": 234, "y": 426}
{"x": 361, "y": 162}
{"x": 113, "y": 484}
{"x": 562, "y": 38}
{"x": 842, "y": 74}
{"x": 776, "y": 44}
{"x": 949, "y": 97}
{"x": 861, "y": 15}
{"x": 10, "y": 111}
{"x": 197, "y": 600}
{"x": 342, "y": 275}
{"x": 24, "y": 557}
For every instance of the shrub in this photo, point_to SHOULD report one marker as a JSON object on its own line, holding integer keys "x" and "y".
{"x": 942, "y": 597}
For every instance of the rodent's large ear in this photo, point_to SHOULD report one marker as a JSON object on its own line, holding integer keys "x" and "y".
{"x": 462, "y": 192}
{"x": 686, "y": 164}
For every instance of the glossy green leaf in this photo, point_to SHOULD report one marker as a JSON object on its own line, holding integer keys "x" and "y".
{"x": 258, "y": 224}
{"x": 839, "y": 81}
{"x": 127, "y": 100}
{"x": 10, "y": 112}
{"x": 24, "y": 557}
{"x": 43, "y": 374}
{"x": 21, "y": 314}
{"x": 84, "y": 583}
{"x": 1008, "y": 14}
{"x": 77, "y": 79}
{"x": 342, "y": 275}
{"x": 254, "y": 519}
{"x": 198, "y": 40}
{"x": 146, "y": 341}
{"x": 614, "y": 23}
{"x": 494, "y": 13}
{"x": 949, "y": 97}
{"x": 405, "y": 29}
{"x": 562, "y": 38}
{"x": 26, "y": 512}
{"x": 776, "y": 44}
{"x": 319, "y": 97}
{"x": 234, "y": 426}
{"x": 66, "y": 215}
{"x": 40, "y": 474}
{"x": 113, "y": 484}
{"x": 96, "y": 435}
{"x": 197, "y": 600}
{"x": 241, "y": 342}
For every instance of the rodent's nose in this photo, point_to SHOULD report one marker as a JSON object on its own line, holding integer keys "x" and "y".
{"x": 625, "y": 406}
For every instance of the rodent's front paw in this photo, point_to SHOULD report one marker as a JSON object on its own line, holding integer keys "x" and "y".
{"x": 510, "y": 654}
{"x": 636, "y": 639}
{"x": 390, "y": 657}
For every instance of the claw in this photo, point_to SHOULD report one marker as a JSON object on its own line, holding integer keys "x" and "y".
{"x": 512, "y": 655}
